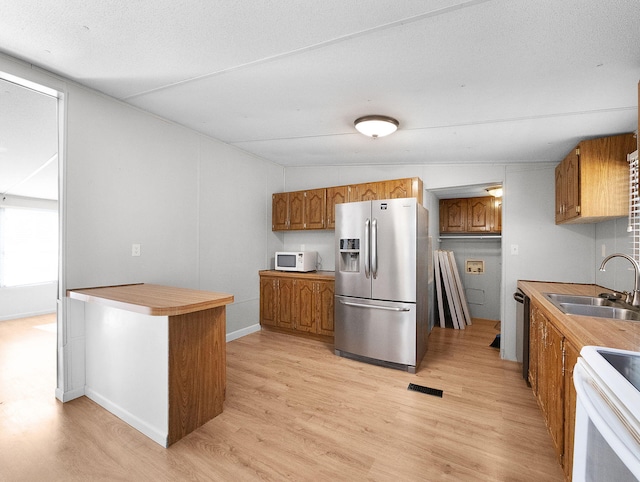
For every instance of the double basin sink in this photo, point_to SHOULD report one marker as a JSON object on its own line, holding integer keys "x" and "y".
{"x": 599, "y": 307}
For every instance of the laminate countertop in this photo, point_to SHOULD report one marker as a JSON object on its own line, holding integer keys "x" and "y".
{"x": 583, "y": 330}
{"x": 150, "y": 299}
{"x": 317, "y": 275}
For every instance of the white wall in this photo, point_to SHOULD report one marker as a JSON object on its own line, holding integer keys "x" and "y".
{"x": 30, "y": 300}
{"x": 200, "y": 209}
{"x": 235, "y": 237}
{"x": 612, "y": 237}
{"x": 547, "y": 252}
{"x": 482, "y": 290}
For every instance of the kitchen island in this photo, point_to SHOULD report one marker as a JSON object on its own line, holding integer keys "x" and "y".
{"x": 155, "y": 355}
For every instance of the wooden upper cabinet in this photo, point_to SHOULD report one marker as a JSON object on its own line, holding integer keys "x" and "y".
{"x": 592, "y": 182}
{"x": 335, "y": 195}
{"x": 369, "y": 191}
{"x": 315, "y": 208}
{"x": 453, "y": 215}
{"x": 471, "y": 215}
{"x": 280, "y": 211}
{"x": 479, "y": 214}
{"x": 403, "y": 188}
{"x": 568, "y": 187}
{"x": 497, "y": 215}
{"x": 299, "y": 210}
{"x": 296, "y": 210}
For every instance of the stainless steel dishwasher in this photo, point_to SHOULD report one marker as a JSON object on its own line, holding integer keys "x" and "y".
{"x": 522, "y": 331}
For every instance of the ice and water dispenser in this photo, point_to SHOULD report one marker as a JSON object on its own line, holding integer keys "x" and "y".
{"x": 350, "y": 255}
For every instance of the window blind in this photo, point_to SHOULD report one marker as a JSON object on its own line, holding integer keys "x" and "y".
{"x": 634, "y": 206}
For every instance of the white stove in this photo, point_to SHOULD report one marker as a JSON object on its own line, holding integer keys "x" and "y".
{"x": 607, "y": 434}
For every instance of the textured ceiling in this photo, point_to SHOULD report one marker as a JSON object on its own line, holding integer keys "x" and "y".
{"x": 469, "y": 81}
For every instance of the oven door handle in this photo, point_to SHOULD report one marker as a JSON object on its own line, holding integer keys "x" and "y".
{"x": 604, "y": 417}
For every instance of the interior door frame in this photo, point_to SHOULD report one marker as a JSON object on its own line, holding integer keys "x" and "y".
{"x": 61, "y": 310}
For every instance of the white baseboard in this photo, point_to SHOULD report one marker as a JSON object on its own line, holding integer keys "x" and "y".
{"x": 234, "y": 335}
{"x": 150, "y": 431}
{"x": 70, "y": 395}
{"x": 26, "y": 315}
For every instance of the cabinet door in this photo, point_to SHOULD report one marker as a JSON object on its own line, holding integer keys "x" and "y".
{"x": 285, "y": 312}
{"x": 572, "y": 183}
{"x": 497, "y": 215}
{"x": 296, "y": 210}
{"x": 561, "y": 189}
{"x": 366, "y": 192}
{"x": 305, "y": 306}
{"x": 568, "y": 187}
{"x": 550, "y": 381}
{"x": 335, "y": 195}
{"x": 268, "y": 301}
{"x": 403, "y": 188}
{"x": 534, "y": 347}
{"x": 324, "y": 307}
{"x": 280, "y": 211}
{"x": 571, "y": 355}
{"x": 315, "y": 208}
{"x": 453, "y": 215}
{"x": 398, "y": 188}
{"x": 479, "y": 214}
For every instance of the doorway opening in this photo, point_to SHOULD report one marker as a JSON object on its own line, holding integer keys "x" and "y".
{"x": 31, "y": 261}
{"x": 475, "y": 243}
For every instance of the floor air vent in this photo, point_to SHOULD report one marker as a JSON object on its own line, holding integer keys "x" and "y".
{"x": 429, "y": 391}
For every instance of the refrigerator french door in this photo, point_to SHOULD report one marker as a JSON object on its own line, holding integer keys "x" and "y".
{"x": 381, "y": 281}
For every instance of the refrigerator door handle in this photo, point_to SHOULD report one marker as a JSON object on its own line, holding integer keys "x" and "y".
{"x": 367, "y": 267}
{"x": 373, "y": 307}
{"x": 374, "y": 248}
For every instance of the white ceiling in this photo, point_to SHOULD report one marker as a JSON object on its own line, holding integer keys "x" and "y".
{"x": 479, "y": 81}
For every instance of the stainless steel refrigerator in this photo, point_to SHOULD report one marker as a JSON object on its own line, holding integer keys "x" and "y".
{"x": 382, "y": 282}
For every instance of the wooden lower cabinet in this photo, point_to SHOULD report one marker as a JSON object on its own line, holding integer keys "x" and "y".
{"x": 297, "y": 302}
{"x": 571, "y": 354}
{"x": 551, "y": 361}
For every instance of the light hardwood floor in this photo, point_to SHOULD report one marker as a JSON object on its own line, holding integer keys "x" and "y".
{"x": 294, "y": 411}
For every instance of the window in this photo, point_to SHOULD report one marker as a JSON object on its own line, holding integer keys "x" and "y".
{"x": 28, "y": 246}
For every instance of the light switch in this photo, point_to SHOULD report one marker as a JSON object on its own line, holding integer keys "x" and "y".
{"x": 514, "y": 249}
{"x": 135, "y": 250}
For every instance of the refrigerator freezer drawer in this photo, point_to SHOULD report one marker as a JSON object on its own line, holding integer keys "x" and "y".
{"x": 374, "y": 329}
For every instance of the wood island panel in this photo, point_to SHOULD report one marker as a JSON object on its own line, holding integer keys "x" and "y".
{"x": 197, "y": 370}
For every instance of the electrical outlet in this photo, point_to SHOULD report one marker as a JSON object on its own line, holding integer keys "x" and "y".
{"x": 135, "y": 250}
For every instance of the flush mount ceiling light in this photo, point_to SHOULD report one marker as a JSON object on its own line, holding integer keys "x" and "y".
{"x": 376, "y": 125}
{"x": 495, "y": 191}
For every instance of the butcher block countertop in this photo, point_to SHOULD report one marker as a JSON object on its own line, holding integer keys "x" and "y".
{"x": 583, "y": 330}
{"x": 317, "y": 275}
{"x": 150, "y": 299}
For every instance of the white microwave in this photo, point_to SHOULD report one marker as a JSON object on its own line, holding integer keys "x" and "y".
{"x": 296, "y": 260}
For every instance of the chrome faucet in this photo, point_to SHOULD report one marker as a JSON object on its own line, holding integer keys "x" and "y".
{"x": 635, "y": 296}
